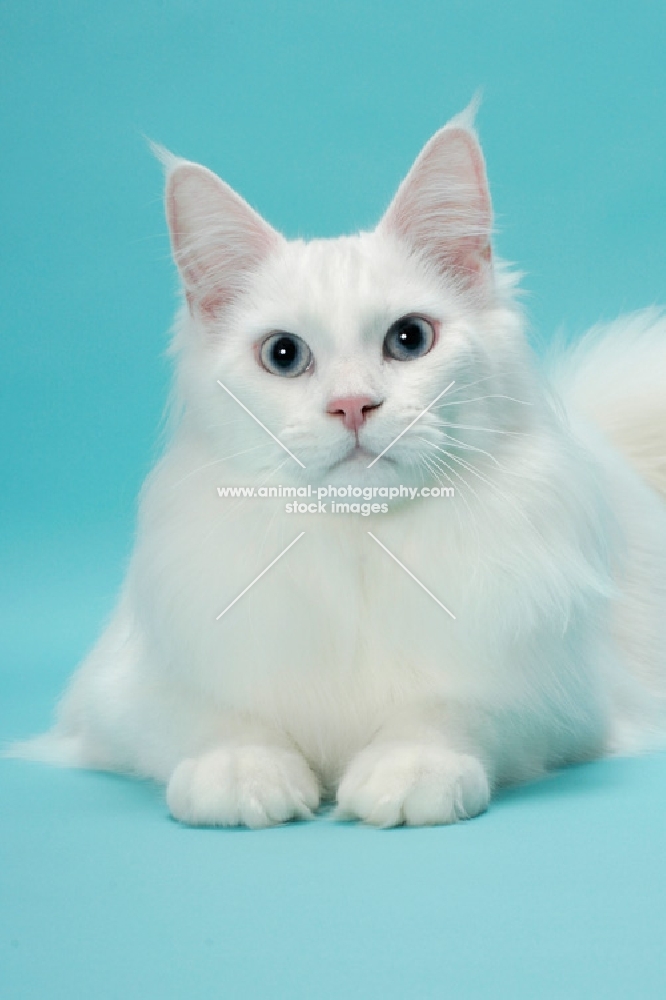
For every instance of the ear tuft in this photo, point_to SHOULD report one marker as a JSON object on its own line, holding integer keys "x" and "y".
{"x": 467, "y": 117}
{"x": 164, "y": 155}
{"x": 218, "y": 240}
{"x": 442, "y": 209}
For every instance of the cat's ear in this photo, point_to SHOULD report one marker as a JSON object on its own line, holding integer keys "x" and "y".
{"x": 442, "y": 209}
{"x": 218, "y": 240}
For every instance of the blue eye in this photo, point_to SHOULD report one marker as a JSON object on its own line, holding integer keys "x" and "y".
{"x": 409, "y": 338}
{"x": 285, "y": 354}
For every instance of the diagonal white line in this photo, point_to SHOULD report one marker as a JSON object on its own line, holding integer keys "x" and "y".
{"x": 263, "y": 426}
{"x": 259, "y": 577}
{"x": 421, "y": 585}
{"x": 377, "y": 457}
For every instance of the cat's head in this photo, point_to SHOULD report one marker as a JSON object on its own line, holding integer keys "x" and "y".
{"x": 337, "y": 346}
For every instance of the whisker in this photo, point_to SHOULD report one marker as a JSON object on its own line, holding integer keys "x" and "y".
{"x": 438, "y": 463}
{"x": 460, "y": 386}
{"x": 478, "y": 399}
{"x": 493, "y": 486}
{"x": 466, "y": 447}
{"x": 415, "y": 465}
{"x": 438, "y": 475}
{"x": 217, "y": 461}
{"x": 473, "y": 427}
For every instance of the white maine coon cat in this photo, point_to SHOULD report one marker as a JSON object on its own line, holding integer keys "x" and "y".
{"x": 335, "y": 675}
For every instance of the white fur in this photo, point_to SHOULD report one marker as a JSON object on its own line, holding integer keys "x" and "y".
{"x": 335, "y": 673}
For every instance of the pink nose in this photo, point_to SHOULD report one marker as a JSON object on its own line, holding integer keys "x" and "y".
{"x": 352, "y": 409}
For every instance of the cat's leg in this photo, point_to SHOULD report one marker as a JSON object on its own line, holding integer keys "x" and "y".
{"x": 221, "y": 768}
{"x": 253, "y": 778}
{"x": 415, "y": 771}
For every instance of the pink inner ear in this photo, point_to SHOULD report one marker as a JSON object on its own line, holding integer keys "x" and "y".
{"x": 208, "y": 306}
{"x": 443, "y": 208}
{"x": 217, "y": 239}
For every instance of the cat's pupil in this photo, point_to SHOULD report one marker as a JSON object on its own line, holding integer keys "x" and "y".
{"x": 284, "y": 352}
{"x": 411, "y": 337}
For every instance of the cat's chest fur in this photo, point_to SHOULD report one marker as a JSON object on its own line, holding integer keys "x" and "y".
{"x": 336, "y": 635}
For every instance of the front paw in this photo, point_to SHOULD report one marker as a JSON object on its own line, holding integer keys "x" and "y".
{"x": 252, "y": 786}
{"x": 390, "y": 784}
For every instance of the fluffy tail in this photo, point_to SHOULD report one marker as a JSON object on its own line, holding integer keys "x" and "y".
{"x": 54, "y": 747}
{"x": 615, "y": 376}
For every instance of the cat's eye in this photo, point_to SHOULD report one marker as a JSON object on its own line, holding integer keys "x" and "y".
{"x": 285, "y": 354}
{"x": 409, "y": 338}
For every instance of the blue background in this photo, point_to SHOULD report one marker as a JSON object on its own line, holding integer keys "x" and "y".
{"x": 314, "y": 112}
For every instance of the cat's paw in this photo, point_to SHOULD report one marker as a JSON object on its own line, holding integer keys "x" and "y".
{"x": 252, "y": 786}
{"x": 390, "y": 784}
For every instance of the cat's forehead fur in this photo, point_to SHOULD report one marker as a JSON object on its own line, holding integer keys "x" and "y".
{"x": 345, "y": 288}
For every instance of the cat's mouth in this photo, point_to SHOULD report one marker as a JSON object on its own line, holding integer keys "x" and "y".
{"x": 357, "y": 456}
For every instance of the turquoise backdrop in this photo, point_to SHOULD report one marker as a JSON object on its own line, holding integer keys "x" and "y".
{"x": 313, "y": 111}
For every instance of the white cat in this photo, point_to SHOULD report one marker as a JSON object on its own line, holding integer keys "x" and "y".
{"x": 335, "y": 674}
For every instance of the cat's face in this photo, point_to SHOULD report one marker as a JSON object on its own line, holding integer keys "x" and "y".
{"x": 337, "y": 346}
